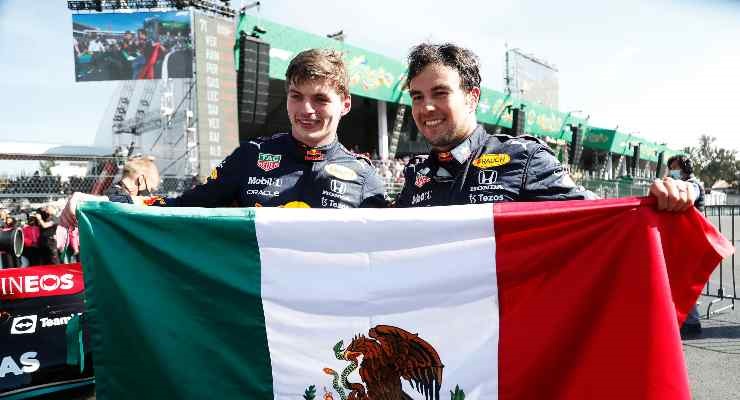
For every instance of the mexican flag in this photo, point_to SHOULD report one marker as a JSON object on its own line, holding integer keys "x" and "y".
{"x": 556, "y": 300}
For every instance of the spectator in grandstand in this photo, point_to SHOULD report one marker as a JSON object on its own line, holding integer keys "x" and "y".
{"x": 466, "y": 164}
{"x": 306, "y": 168}
{"x": 47, "y": 221}
{"x": 681, "y": 168}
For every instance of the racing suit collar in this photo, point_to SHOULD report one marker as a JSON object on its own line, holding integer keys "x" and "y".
{"x": 462, "y": 152}
{"x": 312, "y": 154}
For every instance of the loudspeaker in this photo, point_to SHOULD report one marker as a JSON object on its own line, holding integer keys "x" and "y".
{"x": 11, "y": 241}
{"x": 253, "y": 81}
{"x": 576, "y": 145}
{"x": 635, "y": 159}
{"x": 517, "y": 125}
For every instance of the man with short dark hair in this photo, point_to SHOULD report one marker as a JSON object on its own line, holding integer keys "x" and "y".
{"x": 466, "y": 164}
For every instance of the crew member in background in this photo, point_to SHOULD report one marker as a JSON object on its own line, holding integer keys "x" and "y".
{"x": 48, "y": 252}
{"x": 680, "y": 168}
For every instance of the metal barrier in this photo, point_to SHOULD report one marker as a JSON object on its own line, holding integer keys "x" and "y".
{"x": 722, "y": 285}
{"x": 614, "y": 188}
{"x": 53, "y": 178}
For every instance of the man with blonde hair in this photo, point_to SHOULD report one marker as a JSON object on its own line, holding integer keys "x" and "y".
{"x": 139, "y": 177}
{"x": 307, "y": 167}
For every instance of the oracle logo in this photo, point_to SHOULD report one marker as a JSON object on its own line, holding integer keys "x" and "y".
{"x": 36, "y": 283}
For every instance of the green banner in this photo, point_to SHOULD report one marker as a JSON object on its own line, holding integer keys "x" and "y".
{"x": 382, "y": 78}
{"x": 623, "y": 143}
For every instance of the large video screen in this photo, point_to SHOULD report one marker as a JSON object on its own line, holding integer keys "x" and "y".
{"x": 127, "y": 46}
{"x": 532, "y": 79}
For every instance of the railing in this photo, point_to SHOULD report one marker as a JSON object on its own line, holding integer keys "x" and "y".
{"x": 722, "y": 285}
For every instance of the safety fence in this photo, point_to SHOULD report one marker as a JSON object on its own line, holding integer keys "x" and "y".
{"x": 722, "y": 285}
{"x": 28, "y": 181}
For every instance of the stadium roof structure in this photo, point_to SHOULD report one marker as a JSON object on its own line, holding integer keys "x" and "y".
{"x": 379, "y": 77}
{"x": 51, "y": 151}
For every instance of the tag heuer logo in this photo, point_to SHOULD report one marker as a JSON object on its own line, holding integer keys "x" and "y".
{"x": 268, "y": 162}
{"x": 21, "y": 325}
{"x": 421, "y": 180}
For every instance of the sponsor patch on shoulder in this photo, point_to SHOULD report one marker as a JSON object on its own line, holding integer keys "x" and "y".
{"x": 341, "y": 172}
{"x": 492, "y": 160}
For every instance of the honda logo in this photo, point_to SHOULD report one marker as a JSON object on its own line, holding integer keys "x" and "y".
{"x": 487, "y": 177}
{"x": 338, "y": 187}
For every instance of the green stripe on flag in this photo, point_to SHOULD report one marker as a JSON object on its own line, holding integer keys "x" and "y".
{"x": 186, "y": 305}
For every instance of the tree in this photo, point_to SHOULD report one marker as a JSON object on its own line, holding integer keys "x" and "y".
{"x": 712, "y": 163}
{"x": 45, "y": 167}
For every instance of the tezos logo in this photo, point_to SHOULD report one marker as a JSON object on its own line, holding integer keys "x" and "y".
{"x": 24, "y": 324}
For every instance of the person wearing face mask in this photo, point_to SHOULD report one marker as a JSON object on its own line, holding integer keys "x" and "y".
{"x": 139, "y": 178}
{"x": 681, "y": 168}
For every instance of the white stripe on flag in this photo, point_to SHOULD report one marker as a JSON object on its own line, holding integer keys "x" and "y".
{"x": 328, "y": 275}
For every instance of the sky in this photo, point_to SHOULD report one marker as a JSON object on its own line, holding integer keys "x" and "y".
{"x": 667, "y": 71}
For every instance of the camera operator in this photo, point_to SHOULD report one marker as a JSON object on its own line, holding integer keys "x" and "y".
{"x": 47, "y": 221}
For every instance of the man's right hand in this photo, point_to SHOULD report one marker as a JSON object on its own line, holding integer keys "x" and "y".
{"x": 69, "y": 217}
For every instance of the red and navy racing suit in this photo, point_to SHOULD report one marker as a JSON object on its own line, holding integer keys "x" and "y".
{"x": 279, "y": 170}
{"x": 488, "y": 168}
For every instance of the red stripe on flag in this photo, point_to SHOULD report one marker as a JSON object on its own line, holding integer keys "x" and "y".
{"x": 41, "y": 281}
{"x": 591, "y": 296}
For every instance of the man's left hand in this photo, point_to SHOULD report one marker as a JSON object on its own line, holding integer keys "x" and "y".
{"x": 673, "y": 195}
